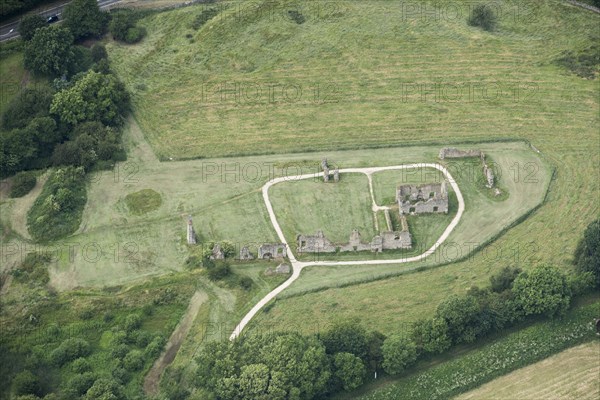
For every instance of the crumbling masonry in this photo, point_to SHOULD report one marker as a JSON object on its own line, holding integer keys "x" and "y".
{"x": 429, "y": 198}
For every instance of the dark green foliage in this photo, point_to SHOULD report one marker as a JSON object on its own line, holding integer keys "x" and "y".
{"x": 483, "y": 16}
{"x": 122, "y": 27}
{"x": 246, "y": 282}
{"x": 90, "y": 142}
{"x": 504, "y": 279}
{"x": 587, "y": 254}
{"x": 105, "y": 389}
{"x": 375, "y": 340}
{"x": 93, "y": 97}
{"x": 121, "y": 375}
{"x": 431, "y": 336}
{"x": 543, "y": 290}
{"x": 228, "y": 248}
{"x": 15, "y": 7}
{"x": 462, "y": 316}
{"x": 30, "y": 103}
{"x": 22, "y": 183}
{"x": 56, "y": 212}
{"x": 119, "y": 351}
{"x": 26, "y": 383}
{"x": 80, "y": 383}
{"x": 132, "y": 322}
{"x": 271, "y": 366}
{"x": 84, "y": 19}
{"x": 50, "y": 51}
{"x": 134, "y": 360}
{"x": 349, "y": 370}
{"x": 81, "y": 365}
{"x": 33, "y": 270}
{"x": 82, "y": 60}
{"x": 296, "y": 16}
{"x": 584, "y": 63}
{"x": 220, "y": 270}
{"x": 69, "y": 350}
{"x": 98, "y": 52}
{"x": 204, "y": 17}
{"x": 154, "y": 348}
{"x": 29, "y": 24}
{"x": 346, "y": 337}
{"x": 399, "y": 353}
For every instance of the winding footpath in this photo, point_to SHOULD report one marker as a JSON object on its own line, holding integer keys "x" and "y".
{"x": 297, "y": 266}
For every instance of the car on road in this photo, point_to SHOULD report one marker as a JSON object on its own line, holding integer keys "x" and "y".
{"x": 52, "y": 19}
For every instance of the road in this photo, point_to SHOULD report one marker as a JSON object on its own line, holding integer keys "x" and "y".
{"x": 297, "y": 266}
{"x": 10, "y": 30}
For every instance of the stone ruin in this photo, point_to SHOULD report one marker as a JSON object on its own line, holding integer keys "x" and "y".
{"x": 272, "y": 250}
{"x": 217, "y": 253}
{"x": 488, "y": 173}
{"x": 388, "y": 240}
{"x": 191, "y": 234}
{"x": 325, "y": 168}
{"x": 281, "y": 269}
{"x": 451, "y": 152}
{"x": 315, "y": 244}
{"x": 419, "y": 199}
{"x": 245, "y": 254}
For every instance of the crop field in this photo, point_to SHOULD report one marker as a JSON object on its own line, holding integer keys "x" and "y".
{"x": 571, "y": 374}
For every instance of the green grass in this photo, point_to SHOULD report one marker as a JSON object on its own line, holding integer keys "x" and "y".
{"x": 143, "y": 201}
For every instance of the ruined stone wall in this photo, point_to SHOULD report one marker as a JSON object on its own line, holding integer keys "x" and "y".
{"x": 428, "y": 198}
{"x": 315, "y": 244}
{"x": 272, "y": 250}
{"x": 451, "y": 152}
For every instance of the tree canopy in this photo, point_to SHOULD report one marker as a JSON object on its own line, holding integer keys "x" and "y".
{"x": 50, "y": 51}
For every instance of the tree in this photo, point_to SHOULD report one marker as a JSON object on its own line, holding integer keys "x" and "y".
{"x": 134, "y": 360}
{"x": 399, "y": 352}
{"x": 504, "y": 279}
{"x": 84, "y": 18}
{"x": 483, "y": 16}
{"x": 105, "y": 389}
{"x": 431, "y": 336}
{"x": 122, "y": 27}
{"x": 375, "y": 340}
{"x": 587, "y": 254}
{"x": 29, "y": 24}
{"x": 254, "y": 382}
{"x": 461, "y": 315}
{"x": 349, "y": 370}
{"x": 543, "y": 290}
{"x": 98, "y": 52}
{"x": 346, "y": 337}
{"x": 26, "y": 383}
{"x": 29, "y": 103}
{"x": 50, "y": 51}
{"x": 94, "y": 97}
{"x": 69, "y": 350}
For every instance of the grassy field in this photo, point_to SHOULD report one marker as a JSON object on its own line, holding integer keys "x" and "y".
{"x": 571, "y": 374}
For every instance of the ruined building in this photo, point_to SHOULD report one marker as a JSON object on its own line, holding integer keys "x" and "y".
{"x": 314, "y": 244}
{"x": 451, "y": 152}
{"x": 418, "y": 199}
{"x": 272, "y": 250}
{"x": 191, "y": 235}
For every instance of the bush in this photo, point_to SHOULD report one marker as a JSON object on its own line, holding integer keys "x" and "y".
{"x": 105, "y": 389}
{"x": 29, "y": 103}
{"x": 132, "y": 322}
{"x": 246, "y": 282}
{"x": 33, "y": 270}
{"x": 81, "y": 365}
{"x": 134, "y": 360}
{"x": 29, "y": 24}
{"x": 587, "y": 254}
{"x": 349, "y": 370}
{"x": 219, "y": 271}
{"x": 80, "y": 383}
{"x": 119, "y": 351}
{"x": 504, "y": 279}
{"x": 57, "y": 211}
{"x": 154, "y": 348}
{"x": 22, "y": 183}
{"x": 120, "y": 375}
{"x": 98, "y": 52}
{"x": 69, "y": 350}
{"x": 296, "y": 16}
{"x": 84, "y": 19}
{"x": 135, "y": 34}
{"x": 203, "y": 17}
{"x": 26, "y": 383}
{"x": 398, "y": 353}
{"x": 484, "y": 17}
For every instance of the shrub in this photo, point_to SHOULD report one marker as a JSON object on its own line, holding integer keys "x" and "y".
{"x": 132, "y": 322}
{"x": 484, "y": 17}
{"x": 69, "y": 350}
{"x": 33, "y": 270}
{"x": 431, "y": 336}
{"x": 587, "y": 254}
{"x": 135, "y": 34}
{"x": 26, "y": 383}
{"x": 504, "y": 279}
{"x": 98, "y": 52}
{"x": 219, "y": 271}
{"x": 246, "y": 282}
{"x": 57, "y": 211}
{"x": 346, "y": 337}
{"x": 204, "y": 17}
{"x": 105, "y": 389}
{"x": 134, "y": 360}
{"x": 119, "y": 351}
{"x": 155, "y": 347}
{"x": 120, "y": 375}
{"x": 28, "y": 104}
{"x": 81, "y": 365}
{"x": 349, "y": 370}
{"x": 22, "y": 183}
{"x": 84, "y": 18}
{"x": 80, "y": 383}
{"x": 296, "y": 16}
{"x": 398, "y": 353}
